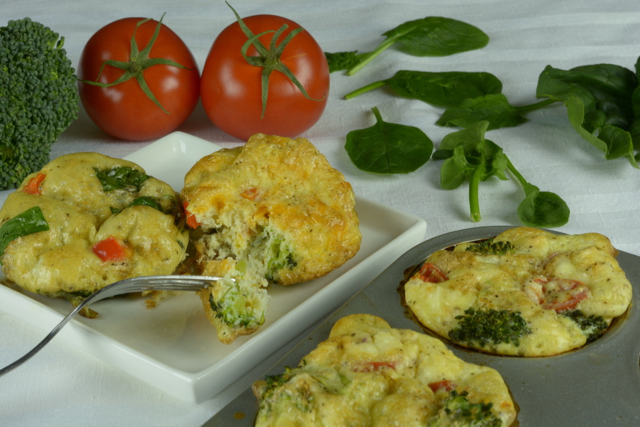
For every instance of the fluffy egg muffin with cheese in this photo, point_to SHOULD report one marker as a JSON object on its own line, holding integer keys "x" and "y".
{"x": 87, "y": 220}
{"x": 273, "y": 211}
{"x": 369, "y": 374}
{"x": 527, "y": 292}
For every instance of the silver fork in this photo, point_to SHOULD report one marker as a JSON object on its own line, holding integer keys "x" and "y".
{"x": 136, "y": 284}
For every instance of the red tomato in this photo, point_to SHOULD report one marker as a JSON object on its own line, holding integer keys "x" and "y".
{"x": 231, "y": 88}
{"x": 446, "y": 385}
{"x": 432, "y": 274}
{"x": 124, "y": 110}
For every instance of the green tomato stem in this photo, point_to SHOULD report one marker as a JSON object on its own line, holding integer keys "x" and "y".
{"x": 365, "y": 89}
{"x": 138, "y": 62}
{"x": 269, "y": 58}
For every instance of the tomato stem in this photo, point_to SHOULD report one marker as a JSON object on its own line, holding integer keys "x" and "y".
{"x": 269, "y": 58}
{"x": 138, "y": 62}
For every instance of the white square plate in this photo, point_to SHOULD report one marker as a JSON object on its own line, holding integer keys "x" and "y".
{"x": 173, "y": 346}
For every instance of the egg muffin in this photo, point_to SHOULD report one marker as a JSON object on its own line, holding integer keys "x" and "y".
{"x": 273, "y": 211}
{"x": 367, "y": 373}
{"x": 88, "y": 220}
{"x": 526, "y": 292}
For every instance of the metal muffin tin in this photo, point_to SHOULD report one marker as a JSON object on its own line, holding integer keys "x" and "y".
{"x": 596, "y": 385}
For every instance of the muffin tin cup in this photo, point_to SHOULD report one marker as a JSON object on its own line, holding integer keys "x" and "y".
{"x": 598, "y": 384}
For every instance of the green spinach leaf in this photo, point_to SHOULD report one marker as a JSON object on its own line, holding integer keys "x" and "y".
{"x": 540, "y": 208}
{"x": 469, "y": 156}
{"x": 473, "y": 158}
{"x": 444, "y": 89}
{"x": 493, "y": 108}
{"x": 147, "y": 201}
{"x": 543, "y": 209}
{"x": 601, "y": 102}
{"x": 28, "y": 222}
{"x": 430, "y": 36}
{"x": 437, "y": 36}
{"x": 388, "y": 148}
{"x": 152, "y": 202}
{"x": 343, "y": 60}
{"x": 121, "y": 177}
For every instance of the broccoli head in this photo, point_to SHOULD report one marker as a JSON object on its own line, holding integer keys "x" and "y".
{"x": 489, "y": 326}
{"x": 38, "y": 97}
{"x": 458, "y": 411}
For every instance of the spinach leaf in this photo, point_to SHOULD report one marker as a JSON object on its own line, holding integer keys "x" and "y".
{"x": 152, "y": 202}
{"x": 343, "y": 60}
{"x": 28, "y": 222}
{"x": 601, "y": 102}
{"x": 437, "y": 36}
{"x": 444, "y": 89}
{"x": 147, "y": 201}
{"x": 635, "y": 135}
{"x": 388, "y": 148}
{"x": 473, "y": 158}
{"x": 540, "y": 208}
{"x": 494, "y": 108}
{"x": 543, "y": 209}
{"x": 469, "y": 156}
{"x": 430, "y": 36}
{"x": 121, "y": 177}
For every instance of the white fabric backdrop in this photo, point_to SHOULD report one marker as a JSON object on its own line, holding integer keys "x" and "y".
{"x": 64, "y": 387}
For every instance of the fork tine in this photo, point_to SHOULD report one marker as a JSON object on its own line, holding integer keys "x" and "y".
{"x": 131, "y": 285}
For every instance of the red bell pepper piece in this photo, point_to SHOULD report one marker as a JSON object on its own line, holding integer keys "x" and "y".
{"x": 110, "y": 249}
{"x": 33, "y": 186}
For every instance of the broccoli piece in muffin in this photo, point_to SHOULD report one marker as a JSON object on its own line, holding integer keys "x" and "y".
{"x": 592, "y": 326}
{"x": 489, "y": 247}
{"x": 458, "y": 411}
{"x": 489, "y": 326}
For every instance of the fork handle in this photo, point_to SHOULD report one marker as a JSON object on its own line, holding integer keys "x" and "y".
{"x": 136, "y": 284}
{"x": 106, "y": 292}
{"x": 46, "y": 339}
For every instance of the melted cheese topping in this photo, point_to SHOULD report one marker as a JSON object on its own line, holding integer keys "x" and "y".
{"x": 546, "y": 275}
{"x": 369, "y": 374}
{"x": 281, "y": 184}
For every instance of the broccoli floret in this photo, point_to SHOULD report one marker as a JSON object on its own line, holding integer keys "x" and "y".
{"x": 274, "y": 382}
{"x": 489, "y": 326}
{"x": 458, "y": 411}
{"x": 38, "y": 98}
{"x": 592, "y": 326}
{"x": 235, "y": 309}
{"x": 489, "y": 247}
{"x": 279, "y": 256}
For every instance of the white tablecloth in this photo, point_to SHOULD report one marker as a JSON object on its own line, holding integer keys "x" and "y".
{"x": 66, "y": 387}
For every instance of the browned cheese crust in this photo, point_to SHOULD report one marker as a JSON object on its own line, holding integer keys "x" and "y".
{"x": 271, "y": 211}
{"x": 369, "y": 374}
